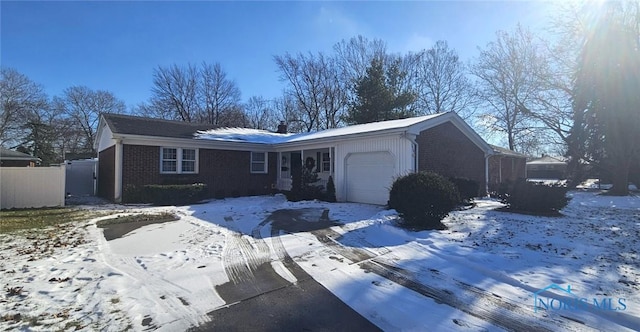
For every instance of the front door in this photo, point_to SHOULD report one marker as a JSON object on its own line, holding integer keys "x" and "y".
{"x": 296, "y": 163}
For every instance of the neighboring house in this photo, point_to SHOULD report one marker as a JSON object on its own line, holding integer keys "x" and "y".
{"x": 547, "y": 167}
{"x": 506, "y": 166}
{"x": 362, "y": 159}
{"x": 10, "y": 158}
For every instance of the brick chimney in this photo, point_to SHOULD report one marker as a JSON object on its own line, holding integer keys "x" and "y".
{"x": 282, "y": 128}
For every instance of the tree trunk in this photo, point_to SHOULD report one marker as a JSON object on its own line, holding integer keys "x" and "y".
{"x": 620, "y": 179}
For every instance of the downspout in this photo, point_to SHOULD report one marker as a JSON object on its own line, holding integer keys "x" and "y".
{"x": 332, "y": 160}
{"x": 486, "y": 173}
{"x": 500, "y": 170}
{"x": 414, "y": 150}
{"x": 117, "y": 192}
{"x": 278, "y": 171}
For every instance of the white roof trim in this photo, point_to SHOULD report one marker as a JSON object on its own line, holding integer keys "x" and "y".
{"x": 457, "y": 121}
{"x": 190, "y": 143}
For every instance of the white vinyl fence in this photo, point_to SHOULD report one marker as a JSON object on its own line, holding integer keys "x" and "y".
{"x": 27, "y": 187}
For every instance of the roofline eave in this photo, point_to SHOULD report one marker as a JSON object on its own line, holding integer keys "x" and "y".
{"x": 190, "y": 142}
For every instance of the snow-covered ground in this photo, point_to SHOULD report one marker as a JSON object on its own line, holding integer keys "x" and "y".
{"x": 480, "y": 274}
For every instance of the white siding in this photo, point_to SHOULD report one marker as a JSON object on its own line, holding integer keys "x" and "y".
{"x": 399, "y": 147}
{"x": 106, "y": 138}
{"x": 27, "y": 187}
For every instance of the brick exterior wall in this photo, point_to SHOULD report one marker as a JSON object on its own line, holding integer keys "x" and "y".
{"x": 513, "y": 169}
{"x": 107, "y": 173}
{"x": 444, "y": 149}
{"x": 226, "y": 173}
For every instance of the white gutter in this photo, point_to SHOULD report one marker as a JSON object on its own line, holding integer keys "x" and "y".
{"x": 192, "y": 143}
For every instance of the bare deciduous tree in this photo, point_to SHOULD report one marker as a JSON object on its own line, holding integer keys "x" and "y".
{"x": 286, "y": 110}
{"x": 83, "y": 107}
{"x": 260, "y": 114}
{"x": 233, "y": 117}
{"x": 354, "y": 56}
{"x": 315, "y": 85}
{"x": 508, "y": 72}
{"x": 174, "y": 93}
{"x": 194, "y": 94}
{"x": 217, "y": 94}
{"x": 21, "y": 100}
{"x": 442, "y": 84}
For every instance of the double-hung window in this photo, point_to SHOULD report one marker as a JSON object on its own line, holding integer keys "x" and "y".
{"x": 178, "y": 160}
{"x": 326, "y": 162}
{"x": 188, "y": 160}
{"x": 258, "y": 162}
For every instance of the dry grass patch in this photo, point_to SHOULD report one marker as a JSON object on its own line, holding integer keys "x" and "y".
{"x": 141, "y": 217}
{"x": 25, "y": 219}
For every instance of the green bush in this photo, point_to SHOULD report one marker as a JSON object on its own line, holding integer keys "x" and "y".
{"x": 330, "y": 194}
{"x": 499, "y": 191}
{"x": 467, "y": 188}
{"x": 133, "y": 194}
{"x": 423, "y": 199}
{"x": 173, "y": 194}
{"x": 535, "y": 198}
{"x": 302, "y": 186}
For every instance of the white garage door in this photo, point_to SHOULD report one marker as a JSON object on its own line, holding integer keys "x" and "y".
{"x": 369, "y": 177}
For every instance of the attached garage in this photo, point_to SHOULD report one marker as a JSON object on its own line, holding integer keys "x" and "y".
{"x": 369, "y": 177}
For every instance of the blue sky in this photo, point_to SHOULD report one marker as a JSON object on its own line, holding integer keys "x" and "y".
{"x": 116, "y": 45}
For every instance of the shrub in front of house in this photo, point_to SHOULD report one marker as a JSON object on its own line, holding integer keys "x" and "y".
{"x": 303, "y": 187}
{"x": 467, "y": 188}
{"x": 173, "y": 194}
{"x": 536, "y": 198}
{"x": 423, "y": 200}
{"x": 330, "y": 193}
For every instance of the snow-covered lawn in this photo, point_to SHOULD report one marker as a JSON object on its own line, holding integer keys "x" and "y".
{"x": 480, "y": 274}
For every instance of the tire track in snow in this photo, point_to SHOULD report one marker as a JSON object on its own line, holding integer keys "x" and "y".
{"x": 495, "y": 310}
{"x": 235, "y": 265}
{"x": 247, "y": 262}
{"x": 241, "y": 257}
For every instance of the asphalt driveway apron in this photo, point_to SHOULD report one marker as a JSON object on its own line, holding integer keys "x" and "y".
{"x": 259, "y": 299}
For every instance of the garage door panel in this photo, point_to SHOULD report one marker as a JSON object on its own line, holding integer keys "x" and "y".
{"x": 369, "y": 177}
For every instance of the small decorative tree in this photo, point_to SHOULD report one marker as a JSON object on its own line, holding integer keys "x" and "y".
{"x": 302, "y": 187}
{"x": 331, "y": 191}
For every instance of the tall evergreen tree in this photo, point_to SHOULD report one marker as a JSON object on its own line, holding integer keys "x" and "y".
{"x": 378, "y": 97}
{"x": 39, "y": 142}
{"x": 607, "y": 85}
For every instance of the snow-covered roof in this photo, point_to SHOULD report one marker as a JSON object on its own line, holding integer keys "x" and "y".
{"x": 548, "y": 160}
{"x": 243, "y": 135}
{"x": 506, "y": 152}
{"x": 7, "y": 154}
{"x": 267, "y": 137}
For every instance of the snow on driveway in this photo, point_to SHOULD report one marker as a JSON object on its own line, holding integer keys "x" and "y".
{"x": 480, "y": 274}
